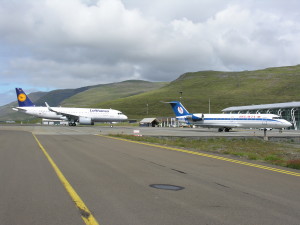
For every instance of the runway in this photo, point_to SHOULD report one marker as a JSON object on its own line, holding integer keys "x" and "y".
{"x": 115, "y": 179}
{"x": 149, "y": 131}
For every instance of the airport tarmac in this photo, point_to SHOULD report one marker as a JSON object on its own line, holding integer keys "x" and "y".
{"x": 119, "y": 181}
{"x": 150, "y": 131}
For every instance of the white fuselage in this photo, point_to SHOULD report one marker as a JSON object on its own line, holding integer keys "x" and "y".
{"x": 96, "y": 115}
{"x": 237, "y": 121}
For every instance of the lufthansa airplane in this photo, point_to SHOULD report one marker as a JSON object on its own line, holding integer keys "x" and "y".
{"x": 83, "y": 116}
{"x": 225, "y": 122}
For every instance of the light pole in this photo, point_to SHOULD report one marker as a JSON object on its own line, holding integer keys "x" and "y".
{"x": 147, "y": 108}
{"x": 180, "y": 98}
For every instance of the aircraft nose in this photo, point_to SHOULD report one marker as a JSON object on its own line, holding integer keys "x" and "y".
{"x": 287, "y": 124}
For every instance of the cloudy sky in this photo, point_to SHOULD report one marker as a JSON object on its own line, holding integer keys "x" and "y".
{"x": 52, "y": 44}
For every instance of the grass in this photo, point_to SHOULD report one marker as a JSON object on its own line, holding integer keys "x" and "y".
{"x": 295, "y": 164}
{"x": 281, "y": 154}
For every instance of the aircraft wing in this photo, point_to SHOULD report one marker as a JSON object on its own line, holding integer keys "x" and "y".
{"x": 19, "y": 109}
{"x": 69, "y": 116}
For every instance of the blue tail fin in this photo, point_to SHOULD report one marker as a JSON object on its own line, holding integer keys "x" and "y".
{"x": 23, "y": 99}
{"x": 179, "y": 109}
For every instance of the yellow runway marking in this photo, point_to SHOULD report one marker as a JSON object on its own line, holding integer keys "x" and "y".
{"x": 210, "y": 156}
{"x": 86, "y": 215}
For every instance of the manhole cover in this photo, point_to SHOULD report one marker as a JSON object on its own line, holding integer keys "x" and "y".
{"x": 167, "y": 187}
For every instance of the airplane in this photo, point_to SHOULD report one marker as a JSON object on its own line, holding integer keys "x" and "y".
{"x": 85, "y": 116}
{"x": 225, "y": 122}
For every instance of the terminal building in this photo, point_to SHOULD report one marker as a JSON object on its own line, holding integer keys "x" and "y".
{"x": 289, "y": 111}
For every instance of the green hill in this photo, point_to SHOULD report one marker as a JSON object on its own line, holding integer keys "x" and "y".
{"x": 55, "y": 97}
{"x": 108, "y": 92}
{"x": 224, "y": 89}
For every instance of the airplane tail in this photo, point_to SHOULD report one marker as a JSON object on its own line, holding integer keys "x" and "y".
{"x": 179, "y": 109}
{"x": 23, "y": 99}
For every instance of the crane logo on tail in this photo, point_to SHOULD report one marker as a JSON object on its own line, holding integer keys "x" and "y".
{"x": 180, "y": 109}
{"x": 22, "y": 97}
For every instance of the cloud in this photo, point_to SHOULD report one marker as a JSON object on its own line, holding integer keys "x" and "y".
{"x": 73, "y": 43}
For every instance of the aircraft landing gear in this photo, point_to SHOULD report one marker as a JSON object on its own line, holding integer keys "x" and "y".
{"x": 224, "y": 129}
{"x": 72, "y": 124}
{"x": 265, "y": 135}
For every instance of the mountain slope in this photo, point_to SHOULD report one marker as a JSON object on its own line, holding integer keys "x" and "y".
{"x": 108, "y": 92}
{"x": 55, "y": 97}
{"x": 224, "y": 89}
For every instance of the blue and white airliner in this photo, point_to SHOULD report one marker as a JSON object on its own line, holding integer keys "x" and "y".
{"x": 83, "y": 116}
{"x": 225, "y": 122}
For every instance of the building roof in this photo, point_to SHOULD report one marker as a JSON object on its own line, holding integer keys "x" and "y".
{"x": 148, "y": 120}
{"x": 265, "y": 106}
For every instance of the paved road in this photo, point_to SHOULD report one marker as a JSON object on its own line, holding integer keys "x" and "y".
{"x": 113, "y": 178}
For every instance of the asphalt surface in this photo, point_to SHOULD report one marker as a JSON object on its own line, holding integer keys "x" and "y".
{"x": 114, "y": 179}
{"x": 150, "y": 131}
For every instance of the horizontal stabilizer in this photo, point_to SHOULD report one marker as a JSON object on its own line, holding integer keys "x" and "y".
{"x": 19, "y": 109}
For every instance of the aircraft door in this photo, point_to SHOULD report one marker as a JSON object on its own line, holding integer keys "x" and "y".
{"x": 232, "y": 120}
{"x": 264, "y": 121}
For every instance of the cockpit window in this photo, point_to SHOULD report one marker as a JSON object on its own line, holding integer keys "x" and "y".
{"x": 275, "y": 117}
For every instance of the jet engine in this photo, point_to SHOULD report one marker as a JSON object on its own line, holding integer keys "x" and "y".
{"x": 86, "y": 121}
{"x": 196, "y": 118}
{"x": 193, "y": 118}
